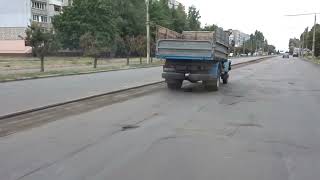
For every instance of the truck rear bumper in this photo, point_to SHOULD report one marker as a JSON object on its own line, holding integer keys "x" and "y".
{"x": 172, "y": 75}
{"x": 190, "y": 77}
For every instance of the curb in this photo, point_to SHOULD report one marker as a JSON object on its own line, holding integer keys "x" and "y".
{"x": 262, "y": 58}
{"x": 76, "y": 100}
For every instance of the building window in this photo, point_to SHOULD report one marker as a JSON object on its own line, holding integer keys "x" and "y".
{"x": 39, "y": 18}
{"x": 39, "y": 5}
{"x": 57, "y": 8}
{"x": 44, "y": 19}
{"x": 35, "y": 18}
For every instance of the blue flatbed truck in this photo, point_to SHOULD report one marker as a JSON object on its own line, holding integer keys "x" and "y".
{"x": 195, "y": 56}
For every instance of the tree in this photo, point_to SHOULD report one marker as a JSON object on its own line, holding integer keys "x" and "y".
{"x": 130, "y": 17}
{"x": 271, "y": 49}
{"x": 303, "y": 38}
{"x": 179, "y": 19}
{"x": 140, "y": 46}
{"x": 309, "y": 39}
{"x": 257, "y": 42}
{"x": 293, "y": 43}
{"x": 94, "y": 45}
{"x": 41, "y": 40}
{"x": 95, "y": 17}
{"x": 160, "y": 13}
{"x": 317, "y": 45}
{"x": 129, "y": 46}
{"x": 212, "y": 27}
{"x": 119, "y": 20}
{"x": 193, "y": 22}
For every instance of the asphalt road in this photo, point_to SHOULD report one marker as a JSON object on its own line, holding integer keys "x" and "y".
{"x": 25, "y": 95}
{"x": 264, "y": 125}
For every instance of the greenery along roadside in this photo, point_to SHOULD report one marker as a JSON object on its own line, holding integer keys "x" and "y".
{"x": 107, "y": 27}
{"x": 111, "y": 28}
{"x": 113, "y": 24}
{"x": 73, "y": 71}
{"x": 306, "y": 41}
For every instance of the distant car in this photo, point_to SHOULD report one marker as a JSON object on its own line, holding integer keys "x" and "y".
{"x": 296, "y": 52}
{"x": 285, "y": 55}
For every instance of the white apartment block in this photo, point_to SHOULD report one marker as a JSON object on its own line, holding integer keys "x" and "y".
{"x": 238, "y": 37}
{"x": 18, "y": 14}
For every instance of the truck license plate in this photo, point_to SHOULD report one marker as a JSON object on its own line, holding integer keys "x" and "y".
{"x": 181, "y": 67}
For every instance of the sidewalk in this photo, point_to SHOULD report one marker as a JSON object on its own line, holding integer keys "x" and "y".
{"x": 24, "y": 95}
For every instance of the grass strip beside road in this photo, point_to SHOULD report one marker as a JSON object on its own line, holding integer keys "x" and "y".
{"x": 316, "y": 60}
{"x": 68, "y": 67}
{"x": 68, "y": 72}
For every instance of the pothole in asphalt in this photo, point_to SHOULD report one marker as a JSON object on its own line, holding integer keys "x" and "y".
{"x": 129, "y": 127}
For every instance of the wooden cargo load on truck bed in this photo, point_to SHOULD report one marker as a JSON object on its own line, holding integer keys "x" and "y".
{"x": 194, "y": 45}
{"x": 165, "y": 33}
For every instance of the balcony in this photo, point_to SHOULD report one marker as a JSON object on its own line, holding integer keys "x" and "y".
{"x": 57, "y": 2}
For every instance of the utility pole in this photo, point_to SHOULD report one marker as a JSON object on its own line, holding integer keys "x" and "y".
{"x": 314, "y": 36}
{"x": 303, "y": 40}
{"x": 148, "y": 31}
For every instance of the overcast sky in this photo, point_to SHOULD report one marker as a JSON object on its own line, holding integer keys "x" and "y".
{"x": 266, "y": 16}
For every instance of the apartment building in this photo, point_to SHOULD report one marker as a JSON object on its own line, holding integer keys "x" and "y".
{"x": 15, "y": 18}
{"x": 238, "y": 37}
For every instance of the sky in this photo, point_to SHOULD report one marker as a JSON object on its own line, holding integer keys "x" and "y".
{"x": 267, "y": 16}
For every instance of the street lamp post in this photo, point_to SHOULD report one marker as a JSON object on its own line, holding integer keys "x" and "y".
{"x": 148, "y": 31}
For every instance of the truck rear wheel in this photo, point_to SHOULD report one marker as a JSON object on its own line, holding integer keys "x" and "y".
{"x": 225, "y": 78}
{"x": 174, "y": 84}
{"x": 212, "y": 85}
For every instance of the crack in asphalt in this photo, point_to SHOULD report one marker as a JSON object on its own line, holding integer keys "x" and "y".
{"x": 97, "y": 141}
{"x": 69, "y": 155}
{"x": 287, "y": 143}
{"x": 246, "y": 124}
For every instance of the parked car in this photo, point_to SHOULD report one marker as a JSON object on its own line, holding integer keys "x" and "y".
{"x": 286, "y": 55}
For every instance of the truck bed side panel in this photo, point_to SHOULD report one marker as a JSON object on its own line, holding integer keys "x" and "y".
{"x": 190, "y": 50}
{"x": 185, "y": 49}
